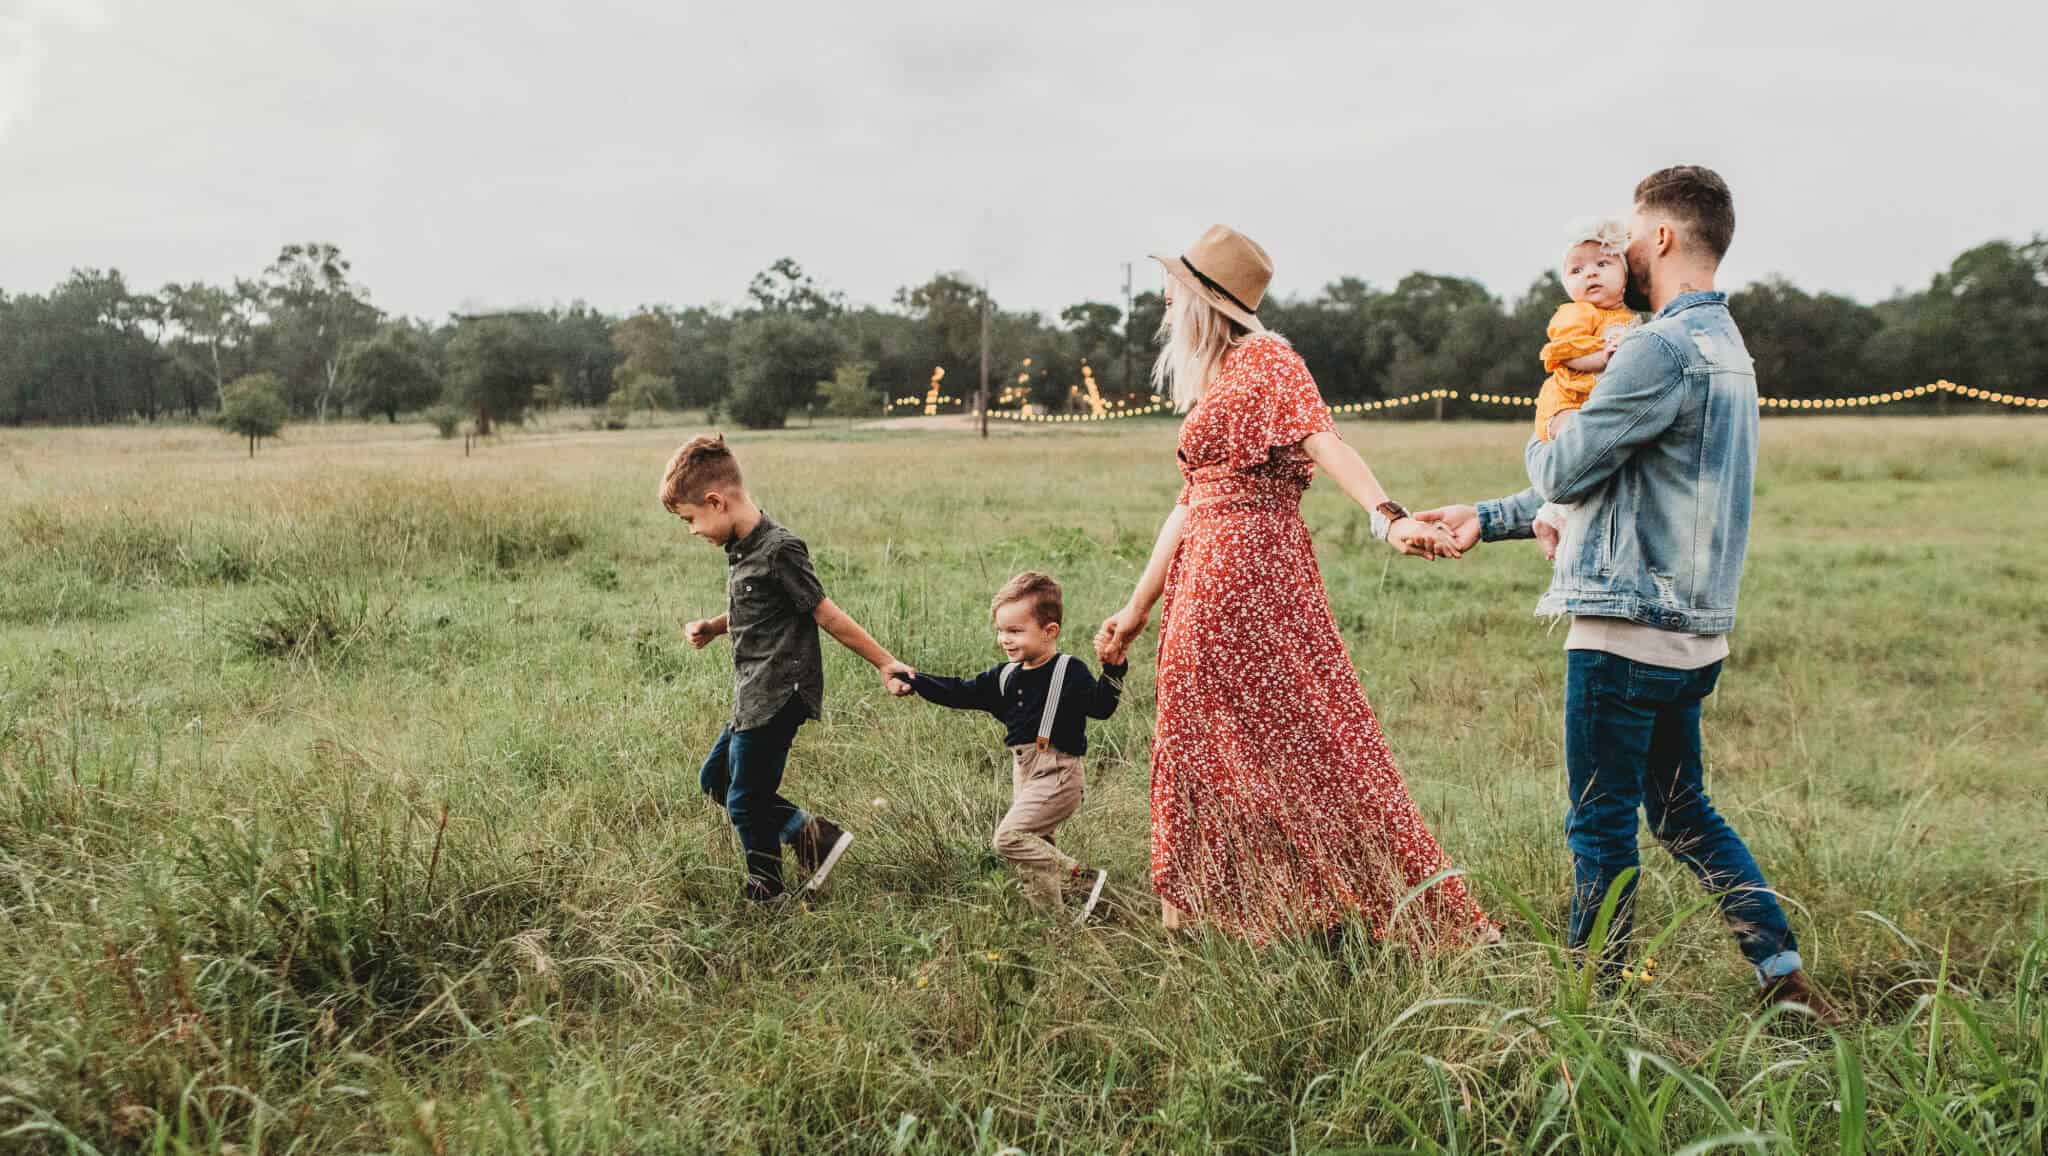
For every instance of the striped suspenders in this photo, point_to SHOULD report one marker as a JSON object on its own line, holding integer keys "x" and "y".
{"x": 1052, "y": 696}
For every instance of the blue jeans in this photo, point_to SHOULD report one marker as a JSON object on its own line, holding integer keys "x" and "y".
{"x": 1632, "y": 739}
{"x": 743, "y": 774}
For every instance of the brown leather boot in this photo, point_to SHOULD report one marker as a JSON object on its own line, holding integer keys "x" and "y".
{"x": 1797, "y": 989}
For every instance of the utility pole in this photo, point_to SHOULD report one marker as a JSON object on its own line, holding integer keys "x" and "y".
{"x": 982, "y": 401}
{"x": 1130, "y": 383}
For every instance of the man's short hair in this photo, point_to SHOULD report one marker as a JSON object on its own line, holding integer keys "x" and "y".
{"x": 1038, "y": 589}
{"x": 702, "y": 464}
{"x": 1698, "y": 199}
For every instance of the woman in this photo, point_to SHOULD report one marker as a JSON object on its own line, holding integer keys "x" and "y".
{"x": 1276, "y": 807}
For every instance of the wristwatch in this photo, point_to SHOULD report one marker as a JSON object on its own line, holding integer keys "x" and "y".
{"x": 1385, "y": 515}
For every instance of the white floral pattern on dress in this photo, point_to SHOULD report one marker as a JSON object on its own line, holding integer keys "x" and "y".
{"x": 1276, "y": 806}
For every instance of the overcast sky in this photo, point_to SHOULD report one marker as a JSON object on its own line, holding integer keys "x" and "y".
{"x": 505, "y": 153}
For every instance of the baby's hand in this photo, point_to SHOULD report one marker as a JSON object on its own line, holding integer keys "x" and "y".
{"x": 1548, "y": 536}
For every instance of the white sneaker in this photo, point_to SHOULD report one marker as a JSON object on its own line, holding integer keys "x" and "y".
{"x": 1094, "y": 896}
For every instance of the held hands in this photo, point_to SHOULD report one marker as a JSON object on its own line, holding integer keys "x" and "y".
{"x": 896, "y": 677}
{"x": 1119, "y": 630}
{"x": 1461, "y": 522}
{"x": 1423, "y": 539}
{"x": 702, "y": 631}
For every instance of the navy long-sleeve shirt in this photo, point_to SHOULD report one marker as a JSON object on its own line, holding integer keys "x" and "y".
{"x": 1082, "y": 697}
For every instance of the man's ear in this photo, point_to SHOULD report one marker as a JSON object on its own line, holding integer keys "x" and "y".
{"x": 1667, "y": 239}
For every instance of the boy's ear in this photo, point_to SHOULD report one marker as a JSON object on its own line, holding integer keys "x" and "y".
{"x": 713, "y": 500}
{"x": 1052, "y": 630}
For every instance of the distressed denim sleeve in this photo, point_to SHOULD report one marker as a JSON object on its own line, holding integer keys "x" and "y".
{"x": 1511, "y": 517}
{"x": 1636, "y": 400}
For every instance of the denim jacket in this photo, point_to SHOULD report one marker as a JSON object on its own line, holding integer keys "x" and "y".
{"x": 1659, "y": 463}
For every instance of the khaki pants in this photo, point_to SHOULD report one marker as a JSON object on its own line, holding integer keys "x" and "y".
{"x": 1046, "y": 790}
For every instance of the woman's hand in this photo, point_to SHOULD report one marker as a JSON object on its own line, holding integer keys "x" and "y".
{"x": 1119, "y": 630}
{"x": 1430, "y": 540}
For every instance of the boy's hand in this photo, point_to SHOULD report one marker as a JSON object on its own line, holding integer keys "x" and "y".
{"x": 1121, "y": 629}
{"x": 896, "y": 676}
{"x": 1548, "y": 536}
{"x": 701, "y": 632}
{"x": 1103, "y": 655}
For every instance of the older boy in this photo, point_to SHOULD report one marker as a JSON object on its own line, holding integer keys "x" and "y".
{"x": 775, "y": 606}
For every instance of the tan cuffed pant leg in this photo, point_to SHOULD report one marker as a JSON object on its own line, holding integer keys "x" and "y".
{"x": 1046, "y": 790}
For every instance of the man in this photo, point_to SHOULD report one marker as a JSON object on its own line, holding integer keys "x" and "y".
{"x": 1660, "y": 461}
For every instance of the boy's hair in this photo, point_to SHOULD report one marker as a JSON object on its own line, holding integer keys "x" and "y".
{"x": 1038, "y": 589}
{"x": 1698, "y": 198}
{"x": 702, "y": 464}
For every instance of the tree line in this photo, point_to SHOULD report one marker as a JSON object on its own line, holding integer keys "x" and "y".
{"x": 303, "y": 339}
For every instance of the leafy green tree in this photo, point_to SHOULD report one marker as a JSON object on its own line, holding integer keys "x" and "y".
{"x": 1141, "y": 329}
{"x": 253, "y": 407}
{"x": 579, "y": 342}
{"x": 784, "y": 287}
{"x": 390, "y": 372}
{"x": 779, "y": 358}
{"x": 949, "y": 306}
{"x": 703, "y": 371}
{"x": 494, "y": 361}
{"x": 642, "y": 392}
{"x": 848, "y": 394}
{"x": 314, "y": 312}
{"x": 1811, "y": 345}
{"x": 215, "y": 324}
{"x": 646, "y": 345}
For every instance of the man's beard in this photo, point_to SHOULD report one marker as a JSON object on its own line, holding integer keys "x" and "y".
{"x": 1637, "y": 295}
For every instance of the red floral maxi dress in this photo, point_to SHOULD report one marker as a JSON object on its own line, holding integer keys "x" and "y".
{"x": 1276, "y": 806}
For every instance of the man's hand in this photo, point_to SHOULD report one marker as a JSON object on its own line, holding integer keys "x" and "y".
{"x": 896, "y": 676}
{"x": 1462, "y": 523}
{"x": 1546, "y": 534}
{"x": 701, "y": 632}
{"x": 1417, "y": 538}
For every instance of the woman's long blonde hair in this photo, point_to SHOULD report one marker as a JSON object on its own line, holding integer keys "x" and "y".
{"x": 1195, "y": 338}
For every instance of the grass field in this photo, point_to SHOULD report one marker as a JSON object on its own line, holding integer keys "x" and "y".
{"x": 347, "y": 803}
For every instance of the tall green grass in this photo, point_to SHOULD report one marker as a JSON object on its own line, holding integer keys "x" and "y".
{"x": 347, "y": 803}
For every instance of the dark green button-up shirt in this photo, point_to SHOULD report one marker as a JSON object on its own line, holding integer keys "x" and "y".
{"x": 771, "y": 591}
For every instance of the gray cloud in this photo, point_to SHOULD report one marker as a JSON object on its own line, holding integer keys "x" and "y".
{"x": 498, "y": 153}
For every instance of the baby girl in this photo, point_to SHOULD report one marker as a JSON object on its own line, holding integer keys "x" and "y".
{"x": 1583, "y": 334}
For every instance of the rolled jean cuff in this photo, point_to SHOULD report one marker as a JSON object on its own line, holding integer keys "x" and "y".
{"x": 802, "y": 818}
{"x": 1778, "y": 966}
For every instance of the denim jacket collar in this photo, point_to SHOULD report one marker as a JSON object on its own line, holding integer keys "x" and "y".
{"x": 1685, "y": 301}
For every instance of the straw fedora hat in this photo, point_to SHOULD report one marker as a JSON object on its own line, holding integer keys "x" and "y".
{"x": 1227, "y": 269}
